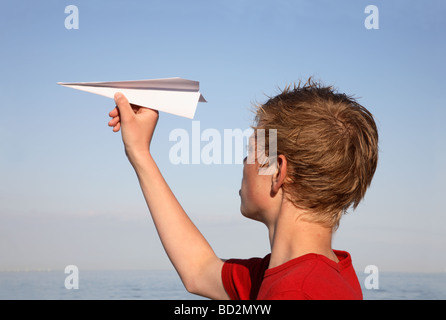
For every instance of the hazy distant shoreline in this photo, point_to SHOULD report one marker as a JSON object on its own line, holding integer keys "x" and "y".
{"x": 166, "y": 285}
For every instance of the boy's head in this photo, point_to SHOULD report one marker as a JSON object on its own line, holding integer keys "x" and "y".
{"x": 330, "y": 143}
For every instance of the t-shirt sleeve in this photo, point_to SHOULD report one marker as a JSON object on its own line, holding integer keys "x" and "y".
{"x": 242, "y": 277}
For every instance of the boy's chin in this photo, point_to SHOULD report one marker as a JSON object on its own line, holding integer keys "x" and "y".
{"x": 253, "y": 215}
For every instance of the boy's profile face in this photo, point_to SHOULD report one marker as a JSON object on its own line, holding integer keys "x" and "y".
{"x": 255, "y": 188}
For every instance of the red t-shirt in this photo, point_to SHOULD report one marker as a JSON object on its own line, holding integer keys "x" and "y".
{"x": 311, "y": 276}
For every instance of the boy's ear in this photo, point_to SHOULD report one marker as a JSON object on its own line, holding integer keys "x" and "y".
{"x": 279, "y": 176}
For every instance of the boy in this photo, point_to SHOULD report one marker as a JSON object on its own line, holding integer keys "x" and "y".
{"x": 327, "y": 152}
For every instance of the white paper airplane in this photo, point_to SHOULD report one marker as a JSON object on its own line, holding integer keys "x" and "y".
{"x": 173, "y": 95}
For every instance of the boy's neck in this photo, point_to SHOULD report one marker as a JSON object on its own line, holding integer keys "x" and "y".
{"x": 291, "y": 237}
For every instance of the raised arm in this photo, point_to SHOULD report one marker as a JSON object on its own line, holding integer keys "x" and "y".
{"x": 193, "y": 258}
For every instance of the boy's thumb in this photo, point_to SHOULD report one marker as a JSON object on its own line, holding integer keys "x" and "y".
{"x": 125, "y": 110}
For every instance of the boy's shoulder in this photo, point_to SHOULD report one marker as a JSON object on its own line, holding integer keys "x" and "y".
{"x": 312, "y": 276}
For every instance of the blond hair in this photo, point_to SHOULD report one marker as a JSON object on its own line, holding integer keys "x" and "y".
{"x": 331, "y": 145}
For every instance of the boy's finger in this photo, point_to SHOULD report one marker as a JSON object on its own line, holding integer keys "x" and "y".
{"x": 117, "y": 127}
{"x": 114, "y": 121}
{"x": 114, "y": 112}
{"x": 125, "y": 110}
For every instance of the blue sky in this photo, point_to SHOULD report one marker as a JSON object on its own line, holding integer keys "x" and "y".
{"x": 68, "y": 194}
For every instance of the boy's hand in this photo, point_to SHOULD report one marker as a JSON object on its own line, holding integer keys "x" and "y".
{"x": 137, "y": 125}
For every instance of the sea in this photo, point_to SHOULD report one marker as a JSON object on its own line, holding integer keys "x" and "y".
{"x": 166, "y": 285}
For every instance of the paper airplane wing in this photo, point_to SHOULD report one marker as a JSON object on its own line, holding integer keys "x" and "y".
{"x": 174, "y": 95}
